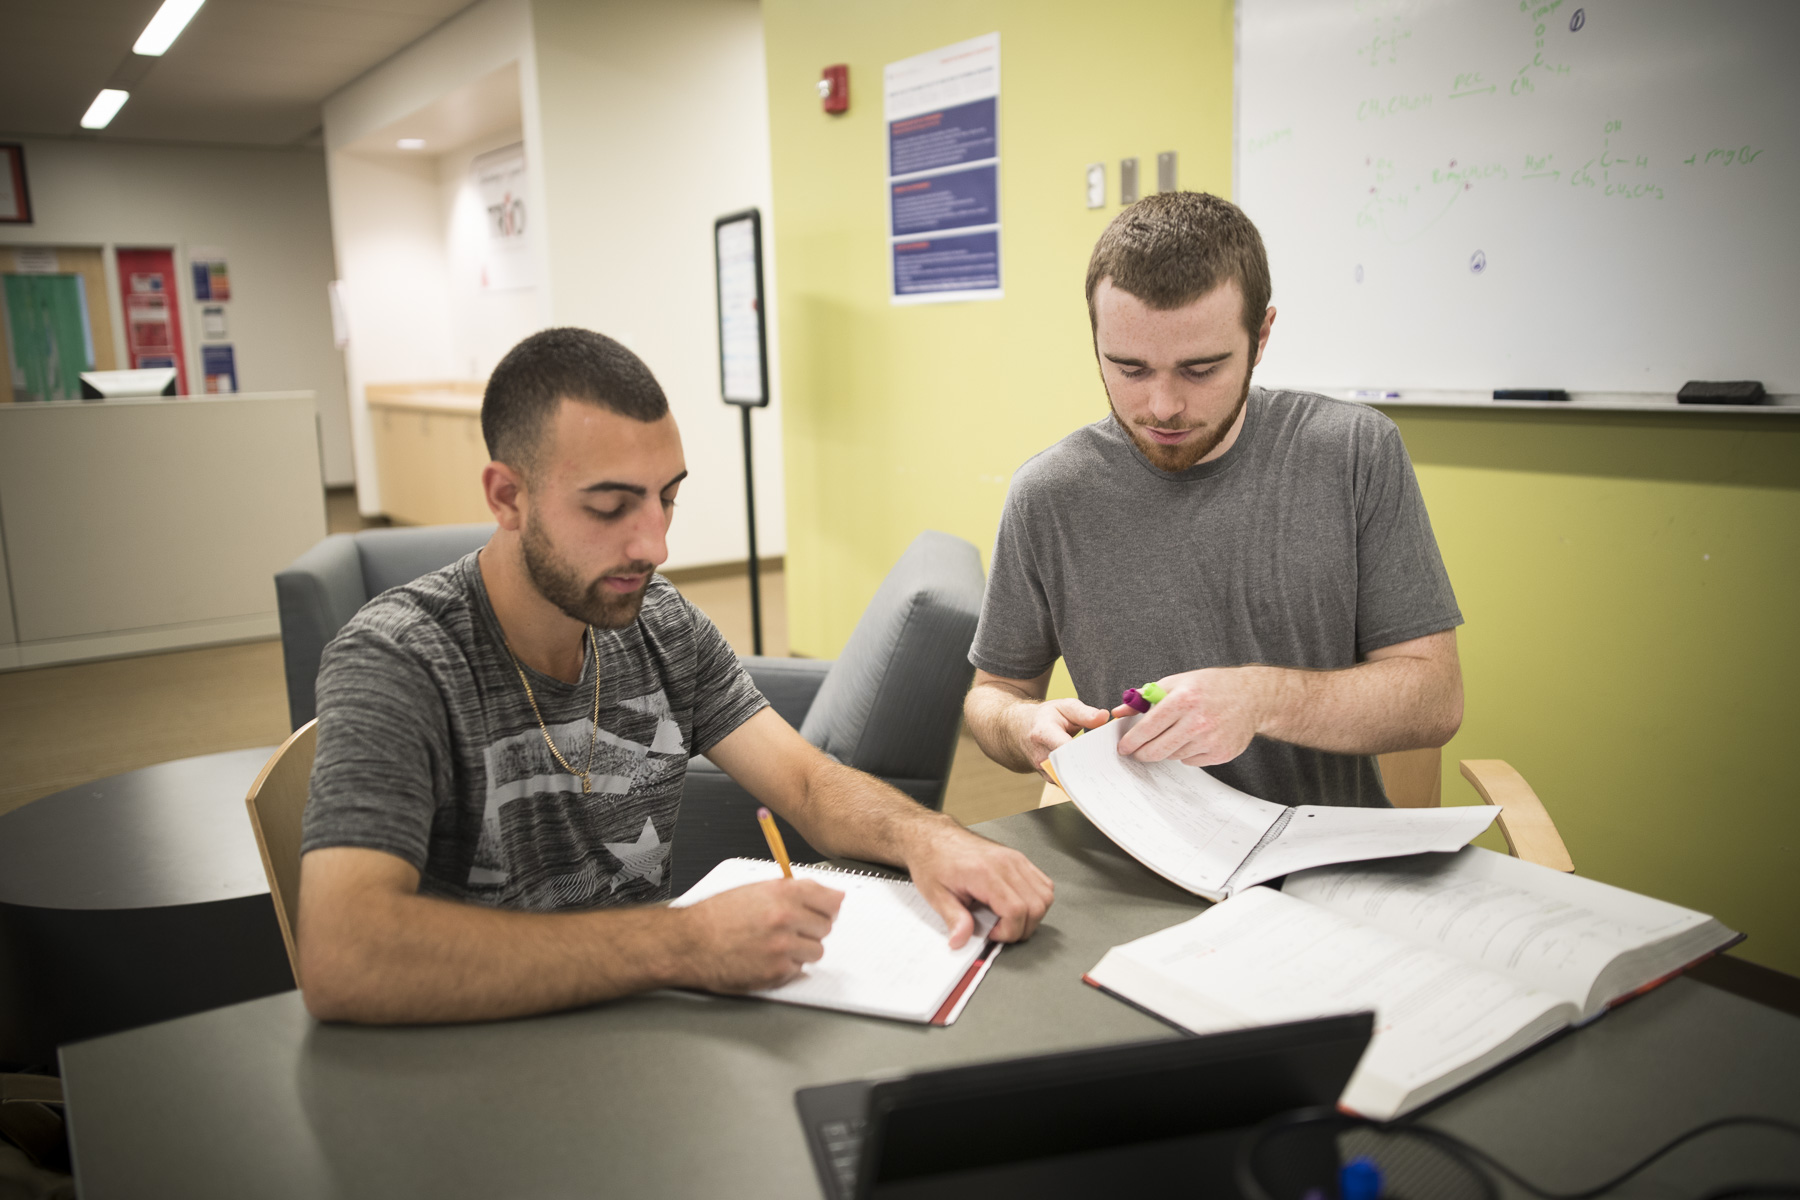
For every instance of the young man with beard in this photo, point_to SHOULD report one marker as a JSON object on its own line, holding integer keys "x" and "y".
{"x": 1265, "y": 556}
{"x": 502, "y": 743}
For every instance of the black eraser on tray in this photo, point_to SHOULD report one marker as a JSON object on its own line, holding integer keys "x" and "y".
{"x": 1735, "y": 391}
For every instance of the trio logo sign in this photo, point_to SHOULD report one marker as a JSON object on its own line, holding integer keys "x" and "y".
{"x": 500, "y": 179}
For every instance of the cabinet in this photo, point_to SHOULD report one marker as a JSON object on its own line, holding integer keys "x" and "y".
{"x": 429, "y": 451}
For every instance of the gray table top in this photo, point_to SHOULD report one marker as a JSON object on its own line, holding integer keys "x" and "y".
{"x": 677, "y": 1095}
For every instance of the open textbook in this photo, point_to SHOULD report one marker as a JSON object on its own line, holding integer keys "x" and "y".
{"x": 1210, "y": 838}
{"x": 888, "y": 953}
{"x": 1466, "y": 960}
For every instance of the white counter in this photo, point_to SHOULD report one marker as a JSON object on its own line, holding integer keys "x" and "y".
{"x": 129, "y": 526}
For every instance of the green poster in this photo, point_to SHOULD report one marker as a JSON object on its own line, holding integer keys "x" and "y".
{"x": 47, "y": 335}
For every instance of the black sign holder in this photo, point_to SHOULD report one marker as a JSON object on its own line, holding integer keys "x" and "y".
{"x": 729, "y": 275}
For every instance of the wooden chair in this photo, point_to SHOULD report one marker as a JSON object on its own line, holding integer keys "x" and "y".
{"x": 276, "y": 800}
{"x": 1413, "y": 780}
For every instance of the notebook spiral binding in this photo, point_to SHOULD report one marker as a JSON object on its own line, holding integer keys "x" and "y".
{"x": 836, "y": 870}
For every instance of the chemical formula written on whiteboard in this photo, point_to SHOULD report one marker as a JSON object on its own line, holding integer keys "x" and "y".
{"x": 1615, "y": 174}
{"x": 1539, "y": 67}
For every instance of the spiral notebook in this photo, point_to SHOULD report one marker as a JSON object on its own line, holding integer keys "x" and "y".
{"x": 888, "y": 953}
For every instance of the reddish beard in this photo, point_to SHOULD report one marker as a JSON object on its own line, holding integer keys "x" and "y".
{"x": 1185, "y": 455}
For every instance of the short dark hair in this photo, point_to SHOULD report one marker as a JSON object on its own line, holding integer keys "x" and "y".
{"x": 539, "y": 372}
{"x": 1172, "y": 248}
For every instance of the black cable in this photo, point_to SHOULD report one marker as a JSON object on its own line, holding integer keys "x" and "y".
{"x": 1449, "y": 1140}
{"x": 1469, "y": 1155}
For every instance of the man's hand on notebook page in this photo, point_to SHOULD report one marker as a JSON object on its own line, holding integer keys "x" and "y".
{"x": 1019, "y": 729}
{"x": 1054, "y": 724}
{"x": 1208, "y": 716}
{"x": 755, "y": 937}
{"x": 845, "y": 813}
{"x": 956, "y": 870}
{"x": 1400, "y": 697}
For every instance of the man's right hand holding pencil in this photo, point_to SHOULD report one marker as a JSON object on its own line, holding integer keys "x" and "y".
{"x": 758, "y": 936}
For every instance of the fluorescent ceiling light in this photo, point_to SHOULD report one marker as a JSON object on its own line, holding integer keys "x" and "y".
{"x": 105, "y": 107}
{"x": 166, "y": 26}
{"x": 411, "y": 143}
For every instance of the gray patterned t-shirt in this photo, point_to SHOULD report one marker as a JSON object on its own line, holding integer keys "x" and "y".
{"x": 428, "y": 749}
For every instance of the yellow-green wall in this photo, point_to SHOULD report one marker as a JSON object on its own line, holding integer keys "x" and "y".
{"x": 1645, "y": 689}
{"x": 904, "y": 419}
{"x": 1630, "y": 586}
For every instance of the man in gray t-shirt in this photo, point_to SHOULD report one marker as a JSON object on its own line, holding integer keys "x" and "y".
{"x": 502, "y": 744}
{"x": 1264, "y": 556}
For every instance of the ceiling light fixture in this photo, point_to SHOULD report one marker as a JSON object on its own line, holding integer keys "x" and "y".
{"x": 166, "y": 26}
{"x": 104, "y": 108}
{"x": 411, "y": 143}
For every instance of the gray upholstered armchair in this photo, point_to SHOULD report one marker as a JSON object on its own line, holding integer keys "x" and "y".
{"x": 320, "y": 591}
{"x": 891, "y": 705}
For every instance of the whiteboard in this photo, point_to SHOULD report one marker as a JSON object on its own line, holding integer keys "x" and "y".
{"x": 1597, "y": 195}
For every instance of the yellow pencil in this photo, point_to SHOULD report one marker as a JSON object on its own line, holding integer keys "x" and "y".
{"x": 767, "y": 820}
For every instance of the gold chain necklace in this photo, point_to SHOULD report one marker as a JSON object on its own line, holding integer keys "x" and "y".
{"x": 587, "y": 783}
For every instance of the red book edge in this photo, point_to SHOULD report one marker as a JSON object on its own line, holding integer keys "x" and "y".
{"x": 970, "y": 978}
{"x": 1681, "y": 970}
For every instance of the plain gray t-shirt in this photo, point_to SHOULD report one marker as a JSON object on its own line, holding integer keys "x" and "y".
{"x": 428, "y": 749}
{"x": 1304, "y": 545}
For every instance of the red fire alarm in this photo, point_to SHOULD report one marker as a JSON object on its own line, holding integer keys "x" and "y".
{"x": 834, "y": 88}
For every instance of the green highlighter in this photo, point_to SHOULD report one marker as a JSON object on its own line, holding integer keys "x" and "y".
{"x": 1139, "y": 699}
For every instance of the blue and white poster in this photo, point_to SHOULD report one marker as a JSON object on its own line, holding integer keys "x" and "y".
{"x": 943, "y": 165}
{"x": 219, "y": 366}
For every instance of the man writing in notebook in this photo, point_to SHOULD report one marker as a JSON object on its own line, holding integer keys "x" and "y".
{"x": 502, "y": 744}
{"x": 1263, "y": 555}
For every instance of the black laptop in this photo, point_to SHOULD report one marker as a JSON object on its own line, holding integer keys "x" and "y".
{"x": 1138, "y": 1119}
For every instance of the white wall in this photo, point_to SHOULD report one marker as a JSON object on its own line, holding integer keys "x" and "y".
{"x": 393, "y": 272}
{"x": 484, "y": 324}
{"x": 641, "y": 124}
{"x": 266, "y": 208}
{"x": 390, "y": 217}
{"x": 654, "y": 121}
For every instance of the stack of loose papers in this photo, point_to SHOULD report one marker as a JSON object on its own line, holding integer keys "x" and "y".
{"x": 1208, "y": 837}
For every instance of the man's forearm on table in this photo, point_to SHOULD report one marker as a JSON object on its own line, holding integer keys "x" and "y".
{"x": 412, "y": 958}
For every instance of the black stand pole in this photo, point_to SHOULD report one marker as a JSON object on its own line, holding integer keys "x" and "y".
{"x": 755, "y": 572}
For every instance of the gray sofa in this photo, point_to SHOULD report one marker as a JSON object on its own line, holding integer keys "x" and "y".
{"x": 890, "y": 705}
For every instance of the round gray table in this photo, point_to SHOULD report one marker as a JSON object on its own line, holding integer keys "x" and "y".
{"x": 131, "y": 900}
{"x": 672, "y": 1094}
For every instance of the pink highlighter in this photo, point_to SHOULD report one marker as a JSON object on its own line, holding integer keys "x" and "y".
{"x": 1140, "y": 699}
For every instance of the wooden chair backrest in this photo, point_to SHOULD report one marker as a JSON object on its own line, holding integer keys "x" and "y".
{"x": 276, "y": 801}
{"x": 1413, "y": 778}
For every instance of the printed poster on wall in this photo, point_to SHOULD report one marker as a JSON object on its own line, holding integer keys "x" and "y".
{"x": 212, "y": 279}
{"x": 942, "y": 111}
{"x": 506, "y": 252}
{"x": 152, "y": 311}
{"x": 218, "y": 364}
